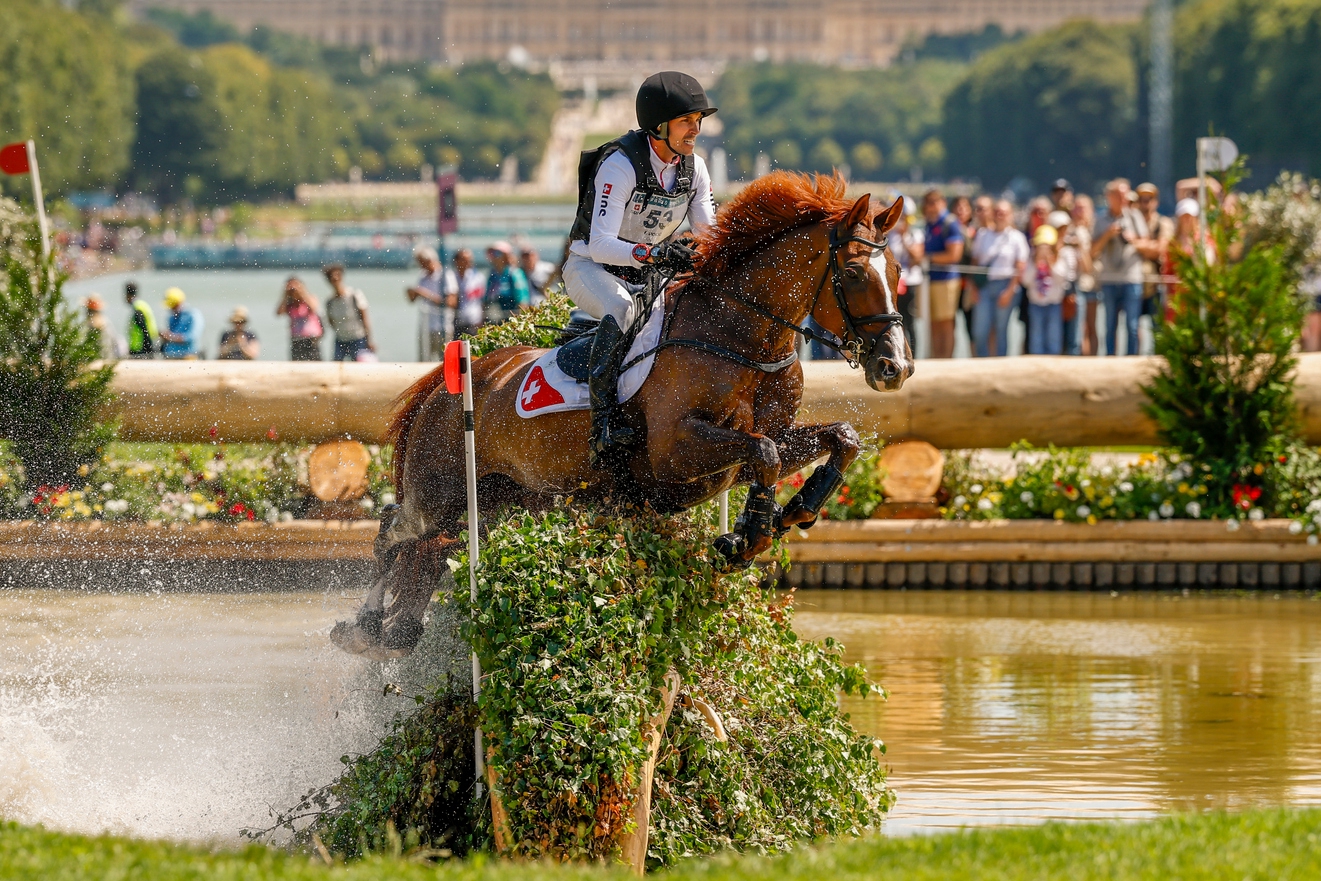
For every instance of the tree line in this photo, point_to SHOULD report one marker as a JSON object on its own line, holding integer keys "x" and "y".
{"x": 184, "y": 107}
{"x": 1069, "y": 102}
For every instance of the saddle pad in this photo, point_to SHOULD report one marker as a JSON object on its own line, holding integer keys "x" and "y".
{"x": 548, "y": 389}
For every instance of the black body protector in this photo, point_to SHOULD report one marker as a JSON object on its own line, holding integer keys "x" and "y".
{"x": 653, "y": 213}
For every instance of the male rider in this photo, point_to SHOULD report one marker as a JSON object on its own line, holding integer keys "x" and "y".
{"x": 633, "y": 195}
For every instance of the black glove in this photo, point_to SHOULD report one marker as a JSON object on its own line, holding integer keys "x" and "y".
{"x": 672, "y": 255}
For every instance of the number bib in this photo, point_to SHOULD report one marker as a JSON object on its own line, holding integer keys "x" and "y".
{"x": 652, "y": 221}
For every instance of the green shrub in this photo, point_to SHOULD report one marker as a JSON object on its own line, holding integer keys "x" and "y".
{"x": 538, "y": 326}
{"x": 51, "y": 391}
{"x": 1224, "y": 396}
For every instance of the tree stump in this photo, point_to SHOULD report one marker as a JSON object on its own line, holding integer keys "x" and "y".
{"x": 337, "y": 475}
{"x": 913, "y": 471}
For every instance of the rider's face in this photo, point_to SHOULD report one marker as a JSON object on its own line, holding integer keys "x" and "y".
{"x": 683, "y": 133}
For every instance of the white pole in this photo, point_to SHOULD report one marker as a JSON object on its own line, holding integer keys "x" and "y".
{"x": 724, "y": 512}
{"x": 38, "y": 199}
{"x": 1201, "y": 179}
{"x": 470, "y": 454}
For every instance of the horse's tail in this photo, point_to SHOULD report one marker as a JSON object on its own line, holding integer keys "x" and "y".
{"x": 405, "y": 411}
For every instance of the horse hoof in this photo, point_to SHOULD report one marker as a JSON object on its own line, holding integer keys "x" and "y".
{"x": 731, "y": 546}
{"x": 370, "y": 621}
{"x": 402, "y": 637}
{"x": 352, "y": 638}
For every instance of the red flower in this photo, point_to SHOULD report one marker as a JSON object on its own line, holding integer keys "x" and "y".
{"x": 213, "y": 431}
{"x": 271, "y": 433}
{"x": 251, "y": 515}
{"x": 1245, "y": 495}
{"x": 237, "y": 509}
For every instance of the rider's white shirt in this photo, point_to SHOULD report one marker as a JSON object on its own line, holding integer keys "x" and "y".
{"x": 615, "y": 181}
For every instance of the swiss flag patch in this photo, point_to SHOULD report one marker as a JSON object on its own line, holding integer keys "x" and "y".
{"x": 537, "y": 393}
{"x": 605, "y": 190}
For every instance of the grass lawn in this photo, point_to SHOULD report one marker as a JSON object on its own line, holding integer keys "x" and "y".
{"x": 1264, "y": 844}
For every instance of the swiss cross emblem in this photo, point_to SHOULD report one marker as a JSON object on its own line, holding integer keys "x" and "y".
{"x": 605, "y": 190}
{"x": 537, "y": 393}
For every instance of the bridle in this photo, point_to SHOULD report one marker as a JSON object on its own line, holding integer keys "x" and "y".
{"x": 851, "y": 346}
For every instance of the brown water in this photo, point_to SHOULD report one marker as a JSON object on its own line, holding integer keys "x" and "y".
{"x": 187, "y": 716}
{"x": 1019, "y": 707}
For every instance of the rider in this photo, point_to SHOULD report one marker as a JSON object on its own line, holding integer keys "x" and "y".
{"x": 633, "y": 195}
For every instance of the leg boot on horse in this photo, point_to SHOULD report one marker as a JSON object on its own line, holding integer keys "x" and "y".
{"x": 603, "y": 386}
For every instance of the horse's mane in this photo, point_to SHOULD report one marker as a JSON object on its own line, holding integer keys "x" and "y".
{"x": 764, "y": 210}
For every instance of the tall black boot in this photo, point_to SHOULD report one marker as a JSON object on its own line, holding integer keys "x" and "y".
{"x": 603, "y": 386}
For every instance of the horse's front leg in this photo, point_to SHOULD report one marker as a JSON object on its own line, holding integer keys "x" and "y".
{"x": 709, "y": 449}
{"x": 803, "y": 444}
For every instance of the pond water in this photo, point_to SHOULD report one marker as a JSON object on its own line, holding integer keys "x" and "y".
{"x": 187, "y": 715}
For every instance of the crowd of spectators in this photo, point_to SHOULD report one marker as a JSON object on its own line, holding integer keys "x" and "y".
{"x": 1053, "y": 265}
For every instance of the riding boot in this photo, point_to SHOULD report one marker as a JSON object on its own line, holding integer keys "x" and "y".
{"x": 603, "y": 387}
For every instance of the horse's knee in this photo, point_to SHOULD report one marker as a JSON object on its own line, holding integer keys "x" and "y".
{"x": 847, "y": 441}
{"x": 764, "y": 457}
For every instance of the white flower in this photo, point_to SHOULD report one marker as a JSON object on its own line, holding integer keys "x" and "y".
{"x": 387, "y": 498}
{"x": 985, "y": 505}
{"x": 1084, "y": 511}
{"x": 1194, "y": 510}
{"x": 367, "y": 504}
{"x": 1166, "y": 510}
{"x": 1107, "y": 470}
{"x": 1152, "y": 515}
{"x": 1085, "y": 483}
{"x": 286, "y": 517}
{"x": 188, "y": 508}
{"x": 272, "y": 515}
{"x": 1295, "y": 528}
{"x": 1125, "y": 487}
{"x": 1312, "y": 540}
{"x": 975, "y": 488}
{"x": 959, "y": 501}
{"x": 1256, "y": 514}
{"x": 1314, "y": 506}
{"x": 1231, "y": 525}
{"x": 107, "y": 487}
{"x": 1025, "y": 497}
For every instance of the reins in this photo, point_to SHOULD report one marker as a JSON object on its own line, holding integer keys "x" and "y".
{"x": 851, "y": 346}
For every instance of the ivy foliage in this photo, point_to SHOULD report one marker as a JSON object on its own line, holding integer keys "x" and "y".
{"x": 1224, "y": 396}
{"x": 580, "y": 616}
{"x": 538, "y": 326}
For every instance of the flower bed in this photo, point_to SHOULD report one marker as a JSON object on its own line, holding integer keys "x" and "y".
{"x": 183, "y": 484}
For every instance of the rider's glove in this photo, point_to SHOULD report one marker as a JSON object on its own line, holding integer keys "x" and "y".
{"x": 672, "y": 255}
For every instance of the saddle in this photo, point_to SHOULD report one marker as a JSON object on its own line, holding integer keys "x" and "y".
{"x": 576, "y": 337}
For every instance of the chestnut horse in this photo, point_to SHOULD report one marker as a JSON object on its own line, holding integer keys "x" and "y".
{"x": 717, "y": 409}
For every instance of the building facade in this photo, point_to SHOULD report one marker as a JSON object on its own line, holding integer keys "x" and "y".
{"x": 601, "y": 35}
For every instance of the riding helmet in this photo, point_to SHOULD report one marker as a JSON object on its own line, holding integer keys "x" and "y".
{"x": 668, "y": 95}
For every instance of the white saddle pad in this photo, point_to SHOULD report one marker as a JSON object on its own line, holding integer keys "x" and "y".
{"x": 548, "y": 389}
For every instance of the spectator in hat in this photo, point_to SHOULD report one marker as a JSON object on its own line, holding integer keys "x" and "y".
{"x": 506, "y": 285}
{"x": 538, "y": 273}
{"x": 238, "y": 343}
{"x": 943, "y": 248}
{"x": 182, "y": 338}
{"x": 1046, "y": 283}
{"x": 438, "y": 292}
{"x": 1061, "y": 195}
{"x": 1160, "y": 231}
{"x": 346, "y": 311}
{"x": 1187, "y": 234}
{"x": 142, "y": 331}
{"x": 305, "y": 329}
{"x": 112, "y": 347}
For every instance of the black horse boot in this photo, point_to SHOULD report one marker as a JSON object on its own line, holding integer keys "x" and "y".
{"x": 603, "y": 387}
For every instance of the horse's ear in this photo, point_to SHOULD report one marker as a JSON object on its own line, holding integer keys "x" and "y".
{"x": 859, "y": 213}
{"x": 886, "y": 220}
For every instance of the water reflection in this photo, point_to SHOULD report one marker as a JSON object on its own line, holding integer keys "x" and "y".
{"x": 1017, "y": 707}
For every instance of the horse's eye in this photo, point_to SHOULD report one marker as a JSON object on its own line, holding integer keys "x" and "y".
{"x": 852, "y": 272}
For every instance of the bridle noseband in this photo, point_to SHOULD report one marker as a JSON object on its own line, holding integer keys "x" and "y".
{"x": 851, "y": 346}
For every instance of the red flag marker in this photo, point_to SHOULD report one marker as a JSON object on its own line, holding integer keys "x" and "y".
{"x": 458, "y": 380}
{"x": 14, "y": 158}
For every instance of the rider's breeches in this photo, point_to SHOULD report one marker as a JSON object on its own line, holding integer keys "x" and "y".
{"x": 597, "y": 291}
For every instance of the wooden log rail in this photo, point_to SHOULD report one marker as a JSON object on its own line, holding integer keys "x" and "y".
{"x": 963, "y": 404}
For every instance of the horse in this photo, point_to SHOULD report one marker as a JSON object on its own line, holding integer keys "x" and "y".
{"x": 717, "y": 409}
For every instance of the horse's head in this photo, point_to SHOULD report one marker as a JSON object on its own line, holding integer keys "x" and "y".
{"x": 863, "y": 307}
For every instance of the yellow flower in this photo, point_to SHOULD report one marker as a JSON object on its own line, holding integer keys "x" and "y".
{"x": 83, "y": 471}
{"x": 82, "y": 510}
{"x": 1089, "y": 491}
{"x": 1258, "y": 468}
{"x": 1183, "y": 488}
{"x": 1059, "y": 513}
{"x": 61, "y": 501}
{"x": 198, "y": 498}
{"x": 1147, "y": 459}
{"x": 98, "y": 507}
{"x": 1107, "y": 501}
{"x": 1091, "y": 518}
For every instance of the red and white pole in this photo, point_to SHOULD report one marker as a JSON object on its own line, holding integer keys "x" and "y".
{"x": 458, "y": 380}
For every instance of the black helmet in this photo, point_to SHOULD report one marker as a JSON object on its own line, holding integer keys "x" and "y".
{"x": 668, "y": 95}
